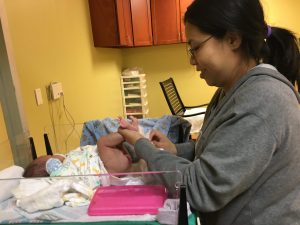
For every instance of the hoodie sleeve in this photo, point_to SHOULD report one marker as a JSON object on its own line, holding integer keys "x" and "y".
{"x": 186, "y": 150}
{"x": 230, "y": 163}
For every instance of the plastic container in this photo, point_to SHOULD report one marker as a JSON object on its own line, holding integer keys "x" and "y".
{"x": 127, "y": 200}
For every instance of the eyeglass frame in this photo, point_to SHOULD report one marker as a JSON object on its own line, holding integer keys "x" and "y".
{"x": 193, "y": 51}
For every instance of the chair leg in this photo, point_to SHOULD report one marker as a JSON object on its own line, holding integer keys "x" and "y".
{"x": 47, "y": 145}
{"x": 32, "y": 148}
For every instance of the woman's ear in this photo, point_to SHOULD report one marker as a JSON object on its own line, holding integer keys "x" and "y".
{"x": 233, "y": 40}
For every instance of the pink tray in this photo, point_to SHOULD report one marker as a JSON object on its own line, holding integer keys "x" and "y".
{"x": 127, "y": 200}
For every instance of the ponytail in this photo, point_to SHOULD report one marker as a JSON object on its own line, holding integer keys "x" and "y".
{"x": 282, "y": 51}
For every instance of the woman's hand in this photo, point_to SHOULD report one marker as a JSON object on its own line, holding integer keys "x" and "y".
{"x": 161, "y": 141}
{"x": 130, "y": 136}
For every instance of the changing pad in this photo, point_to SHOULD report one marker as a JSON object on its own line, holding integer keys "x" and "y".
{"x": 127, "y": 200}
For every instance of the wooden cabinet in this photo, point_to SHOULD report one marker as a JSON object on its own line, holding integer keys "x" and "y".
{"x": 127, "y": 23}
{"x": 165, "y": 21}
{"x": 120, "y": 23}
{"x": 141, "y": 22}
{"x": 111, "y": 23}
{"x": 183, "y": 7}
{"x": 134, "y": 96}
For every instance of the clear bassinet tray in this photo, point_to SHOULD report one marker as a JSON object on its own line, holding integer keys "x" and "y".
{"x": 90, "y": 198}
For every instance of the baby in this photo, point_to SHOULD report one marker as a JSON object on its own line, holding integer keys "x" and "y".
{"x": 37, "y": 168}
{"x": 110, "y": 156}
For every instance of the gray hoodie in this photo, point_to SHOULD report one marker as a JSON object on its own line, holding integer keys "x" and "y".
{"x": 245, "y": 166}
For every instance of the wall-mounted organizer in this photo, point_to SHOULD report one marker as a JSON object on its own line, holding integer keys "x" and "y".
{"x": 134, "y": 96}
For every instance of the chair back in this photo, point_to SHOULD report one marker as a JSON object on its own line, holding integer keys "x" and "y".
{"x": 172, "y": 97}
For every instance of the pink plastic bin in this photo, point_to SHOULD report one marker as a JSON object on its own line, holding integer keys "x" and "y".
{"x": 127, "y": 200}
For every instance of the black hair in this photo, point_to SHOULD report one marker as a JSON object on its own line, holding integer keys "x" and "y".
{"x": 246, "y": 17}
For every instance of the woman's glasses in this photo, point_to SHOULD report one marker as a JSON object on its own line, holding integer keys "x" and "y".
{"x": 193, "y": 51}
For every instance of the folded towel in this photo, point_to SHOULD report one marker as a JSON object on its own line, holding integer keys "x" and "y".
{"x": 8, "y": 185}
{"x": 168, "y": 214}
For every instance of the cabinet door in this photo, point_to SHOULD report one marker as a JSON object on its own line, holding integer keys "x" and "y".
{"x": 141, "y": 22}
{"x": 111, "y": 23}
{"x": 165, "y": 21}
{"x": 183, "y": 6}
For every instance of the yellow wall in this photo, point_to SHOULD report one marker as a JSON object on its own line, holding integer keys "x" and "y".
{"x": 52, "y": 41}
{"x": 283, "y": 13}
{"x": 162, "y": 62}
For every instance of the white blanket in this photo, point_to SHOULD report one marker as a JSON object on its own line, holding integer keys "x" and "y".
{"x": 10, "y": 213}
{"x": 8, "y": 181}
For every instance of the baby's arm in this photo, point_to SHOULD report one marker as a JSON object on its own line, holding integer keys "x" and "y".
{"x": 115, "y": 158}
{"x": 110, "y": 140}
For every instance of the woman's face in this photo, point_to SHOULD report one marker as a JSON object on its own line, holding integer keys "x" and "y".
{"x": 214, "y": 58}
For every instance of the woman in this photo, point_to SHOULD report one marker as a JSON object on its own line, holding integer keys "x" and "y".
{"x": 244, "y": 167}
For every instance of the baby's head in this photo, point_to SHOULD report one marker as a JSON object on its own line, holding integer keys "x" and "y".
{"x": 37, "y": 168}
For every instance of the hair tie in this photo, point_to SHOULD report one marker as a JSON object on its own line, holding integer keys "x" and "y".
{"x": 269, "y": 31}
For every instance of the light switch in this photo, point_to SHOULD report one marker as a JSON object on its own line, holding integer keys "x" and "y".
{"x": 38, "y": 96}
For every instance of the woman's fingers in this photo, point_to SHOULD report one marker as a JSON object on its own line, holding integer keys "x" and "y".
{"x": 130, "y": 136}
{"x": 155, "y": 135}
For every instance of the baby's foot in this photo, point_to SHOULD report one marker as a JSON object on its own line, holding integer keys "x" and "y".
{"x": 124, "y": 124}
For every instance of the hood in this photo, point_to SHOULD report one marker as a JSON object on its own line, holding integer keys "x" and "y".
{"x": 268, "y": 70}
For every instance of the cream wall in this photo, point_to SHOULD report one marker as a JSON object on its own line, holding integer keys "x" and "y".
{"x": 52, "y": 41}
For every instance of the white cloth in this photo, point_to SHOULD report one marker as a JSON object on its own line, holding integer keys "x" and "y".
{"x": 48, "y": 198}
{"x": 168, "y": 214}
{"x": 195, "y": 121}
{"x": 28, "y": 187}
{"x": 10, "y": 183}
{"x": 41, "y": 194}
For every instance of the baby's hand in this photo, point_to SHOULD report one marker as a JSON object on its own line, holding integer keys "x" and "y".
{"x": 134, "y": 125}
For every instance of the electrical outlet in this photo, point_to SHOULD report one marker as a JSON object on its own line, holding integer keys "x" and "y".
{"x": 56, "y": 90}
